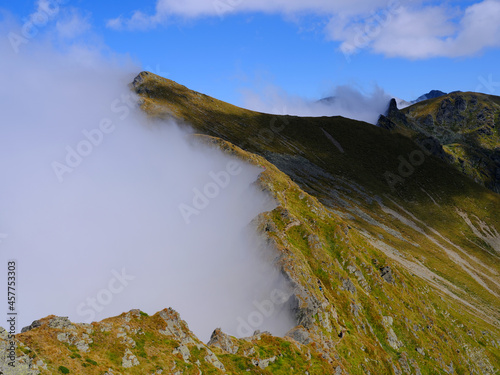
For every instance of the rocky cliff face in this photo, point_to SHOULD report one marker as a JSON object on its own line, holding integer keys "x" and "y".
{"x": 466, "y": 127}
{"x": 391, "y": 254}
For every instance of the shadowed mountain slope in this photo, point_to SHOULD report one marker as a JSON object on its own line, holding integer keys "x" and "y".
{"x": 464, "y": 127}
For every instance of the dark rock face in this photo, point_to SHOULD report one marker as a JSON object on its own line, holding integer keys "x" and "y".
{"x": 473, "y": 102}
{"x": 432, "y": 146}
{"x": 430, "y": 95}
{"x": 385, "y": 123}
{"x": 450, "y": 114}
{"x": 386, "y": 274}
{"x": 137, "y": 84}
{"x": 394, "y": 113}
{"x": 427, "y": 122}
{"x": 33, "y": 325}
{"x": 486, "y": 130}
{"x": 460, "y": 104}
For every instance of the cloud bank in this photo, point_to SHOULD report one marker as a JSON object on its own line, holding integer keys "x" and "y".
{"x": 343, "y": 101}
{"x": 91, "y": 198}
{"x": 420, "y": 32}
{"x": 396, "y": 28}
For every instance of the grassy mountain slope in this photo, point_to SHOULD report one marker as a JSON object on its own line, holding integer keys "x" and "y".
{"x": 466, "y": 127}
{"x": 392, "y": 254}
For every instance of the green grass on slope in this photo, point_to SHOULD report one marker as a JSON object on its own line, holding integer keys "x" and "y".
{"x": 344, "y": 164}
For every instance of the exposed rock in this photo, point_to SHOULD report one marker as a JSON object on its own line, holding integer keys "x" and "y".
{"x": 394, "y": 113}
{"x": 176, "y": 327}
{"x": 427, "y": 122}
{"x": 386, "y": 273}
{"x": 22, "y": 364}
{"x": 355, "y": 309}
{"x": 213, "y": 360}
{"x": 445, "y": 113}
{"x": 314, "y": 242}
{"x": 129, "y": 359}
{"x": 348, "y": 285}
{"x": 263, "y": 363}
{"x": 403, "y": 362}
{"x": 392, "y": 339}
{"x": 396, "y": 370}
{"x": 249, "y": 352}
{"x": 183, "y": 350}
{"x": 392, "y": 117}
{"x": 35, "y": 324}
{"x": 60, "y": 322}
{"x": 303, "y": 304}
{"x": 460, "y": 104}
{"x": 431, "y": 145}
{"x": 385, "y": 123}
{"x": 300, "y": 334}
{"x": 220, "y": 340}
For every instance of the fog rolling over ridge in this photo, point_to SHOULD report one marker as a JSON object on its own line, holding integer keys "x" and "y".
{"x": 91, "y": 200}
{"x": 346, "y": 101}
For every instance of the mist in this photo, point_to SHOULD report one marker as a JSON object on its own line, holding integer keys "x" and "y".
{"x": 346, "y": 101}
{"x": 104, "y": 210}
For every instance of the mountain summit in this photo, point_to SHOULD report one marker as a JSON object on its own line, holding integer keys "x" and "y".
{"x": 430, "y": 95}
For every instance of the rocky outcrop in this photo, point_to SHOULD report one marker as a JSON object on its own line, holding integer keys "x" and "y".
{"x": 300, "y": 334}
{"x": 392, "y": 339}
{"x": 129, "y": 359}
{"x": 392, "y": 117}
{"x": 386, "y": 274}
{"x": 263, "y": 363}
{"x": 222, "y": 341}
{"x": 33, "y": 325}
{"x": 14, "y": 363}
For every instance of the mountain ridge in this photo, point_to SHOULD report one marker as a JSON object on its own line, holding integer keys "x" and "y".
{"x": 391, "y": 252}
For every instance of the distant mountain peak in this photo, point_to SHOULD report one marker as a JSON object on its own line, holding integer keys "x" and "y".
{"x": 430, "y": 95}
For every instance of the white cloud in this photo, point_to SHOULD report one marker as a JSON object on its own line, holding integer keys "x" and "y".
{"x": 423, "y": 32}
{"x": 71, "y": 117}
{"x": 344, "y": 101}
{"x": 196, "y": 8}
{"x": 138, "y": 21}
{"x": 73, "y": 25}
{"x": 203, "y": 8}
{"x": 480, "y": 28}
{"x": 395, "y": 28}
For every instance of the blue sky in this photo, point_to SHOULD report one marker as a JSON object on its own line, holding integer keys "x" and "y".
{"x": 236, "y": 50}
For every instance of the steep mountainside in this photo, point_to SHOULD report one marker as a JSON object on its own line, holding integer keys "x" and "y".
{"x": 464, "y": 127}
{"x": 391, "y": 253}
